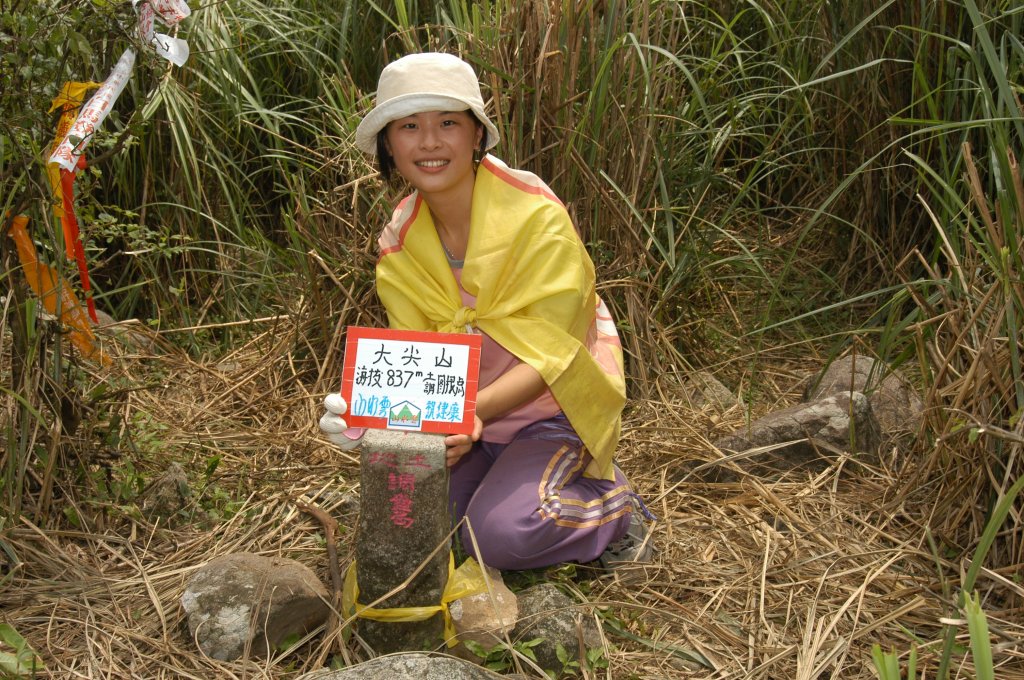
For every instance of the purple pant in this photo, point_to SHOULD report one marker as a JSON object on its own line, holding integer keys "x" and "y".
{"x": 528, "y": 504}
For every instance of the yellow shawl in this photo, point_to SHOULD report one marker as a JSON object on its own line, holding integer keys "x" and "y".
{"x": 534, "y": 286}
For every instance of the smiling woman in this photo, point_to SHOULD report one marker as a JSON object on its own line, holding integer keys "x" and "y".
{"x": 435, "y": 152}
{"x": 480, "y": 247}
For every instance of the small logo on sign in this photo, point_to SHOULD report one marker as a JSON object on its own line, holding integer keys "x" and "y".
{"x": 404, "y": 414}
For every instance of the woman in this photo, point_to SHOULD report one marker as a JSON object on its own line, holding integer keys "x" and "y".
{"x": 479, "y": 247}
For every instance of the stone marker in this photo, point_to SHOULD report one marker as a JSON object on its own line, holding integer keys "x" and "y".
{"x": 702, "y": 388}
{"x": 404, "y": 518}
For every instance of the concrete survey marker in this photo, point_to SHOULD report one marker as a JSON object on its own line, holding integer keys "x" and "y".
{"x": 403, "y": 519}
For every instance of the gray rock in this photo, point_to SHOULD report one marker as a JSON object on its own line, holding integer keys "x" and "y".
{"x": 165, "y": 495}
{"x": 701, "y": 389}
{"x": 895, "y": 403}
{"x": 347, "y": 505}
{"x": 404, "y": 518}
{"x": 132, "y": 332}
{"x": 402, "y": 666}
{"x": 340, "y": 504}
{"x": 244, "y": 601}
{"x": 547, "y": 613}
{"x": 802, "y": 436}
{"x": 486, "y": 618}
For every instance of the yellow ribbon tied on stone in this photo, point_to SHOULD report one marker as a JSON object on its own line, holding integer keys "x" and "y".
{"x": 467, "y": 580}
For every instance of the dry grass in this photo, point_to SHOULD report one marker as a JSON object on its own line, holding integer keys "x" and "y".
{"x": 787, "y": 579}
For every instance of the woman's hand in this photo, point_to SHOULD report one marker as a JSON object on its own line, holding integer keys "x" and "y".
{"x": 334, "y": 426}
{"x": 460, "y": 444}
{"x": 513, "y": 389}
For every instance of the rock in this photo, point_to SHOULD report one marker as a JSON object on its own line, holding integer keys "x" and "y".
{"x": 340, "y": 504}
{"x": 701, "y": 389}
{"x": 803, "y": 435}
{"x": 244, "y": 600}
{"x": 165, "y": 495}
{"x": 547, "y": 613}
{"x": 346, "y": 504}
{"x": 894, "y": 401}
{"x": 401, "y": 666}
{"x": 132, "y": 332}
{"x": 228, "y": 367}
{"x": 486, "y": 618}
{"x": 403, "y": 520}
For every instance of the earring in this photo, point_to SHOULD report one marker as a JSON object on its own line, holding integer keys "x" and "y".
{"x": 478, "y": 155}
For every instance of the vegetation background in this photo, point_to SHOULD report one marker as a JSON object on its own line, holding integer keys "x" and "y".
{"x": 762, "y": 185}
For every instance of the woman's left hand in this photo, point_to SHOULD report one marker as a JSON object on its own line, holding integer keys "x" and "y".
{"x": 460, "y": 444}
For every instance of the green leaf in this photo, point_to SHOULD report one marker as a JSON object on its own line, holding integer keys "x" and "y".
{"x": 11, "y": 637}
{"x": 886, "y": 663}
{"x": 9, "y": 665}
{"x": 596, "y": 658}
{"x": 71, "y": 515}
{"x": 212, "y": 463}
{"x": 526, "y": 649}
{"x": 79, "y": 44}
{"x": 476, "y": 648}
{"x": 981, "y": 645}
{"x": 23, "y": 662}
{"x": 288, "y": 642}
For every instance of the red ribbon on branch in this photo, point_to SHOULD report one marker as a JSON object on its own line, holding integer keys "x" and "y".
{"x": 67, "y": 190}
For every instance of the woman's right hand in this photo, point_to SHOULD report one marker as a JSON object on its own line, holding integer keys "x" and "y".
{"x": 458, "y": 445}
{"x": 334, "y": 426}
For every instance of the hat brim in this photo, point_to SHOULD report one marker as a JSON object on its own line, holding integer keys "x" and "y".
{"x": 417, "y": 102}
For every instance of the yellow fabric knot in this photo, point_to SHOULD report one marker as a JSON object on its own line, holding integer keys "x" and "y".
{"x": 465, "y": 319}
{"x": 468, "y": 579}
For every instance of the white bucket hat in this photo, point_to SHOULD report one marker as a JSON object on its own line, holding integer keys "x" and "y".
{"x": 430, "y": 81}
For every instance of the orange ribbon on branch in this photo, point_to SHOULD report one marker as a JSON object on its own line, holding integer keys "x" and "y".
{"x": 57, "y": 297}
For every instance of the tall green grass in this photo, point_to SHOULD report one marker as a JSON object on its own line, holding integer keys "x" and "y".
{"x": 685, "y": 138}
{"x": 693, "y": 143}
{"x": 959, "y": 318}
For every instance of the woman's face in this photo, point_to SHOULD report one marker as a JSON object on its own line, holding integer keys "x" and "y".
{"x": 433, "y": 150}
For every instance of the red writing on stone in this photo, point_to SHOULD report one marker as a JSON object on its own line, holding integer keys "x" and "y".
{"x": 401, "y": 482}
{"x": 383, "y": 458}
{"x": 388, "y": 459}
{"x": 417, "y": 461}
{"x": 401, "y": 506}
